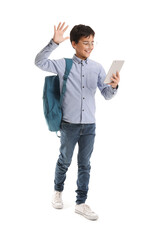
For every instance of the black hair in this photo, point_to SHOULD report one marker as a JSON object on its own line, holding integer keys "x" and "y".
{"x": 79, "y": 31}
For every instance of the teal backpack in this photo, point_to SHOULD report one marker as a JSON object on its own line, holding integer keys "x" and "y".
{"x": 52, "y": 99}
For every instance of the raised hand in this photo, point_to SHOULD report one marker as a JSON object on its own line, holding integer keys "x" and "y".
{"x": 58, "y": 33}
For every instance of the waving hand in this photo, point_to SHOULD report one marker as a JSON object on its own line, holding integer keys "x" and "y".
{"x": 58, "y": 33}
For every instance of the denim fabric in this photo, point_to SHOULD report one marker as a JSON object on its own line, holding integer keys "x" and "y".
{"x": 84, "y": 135}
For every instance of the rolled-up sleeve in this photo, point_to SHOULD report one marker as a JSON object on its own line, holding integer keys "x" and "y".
{"x": 106, "y": 90}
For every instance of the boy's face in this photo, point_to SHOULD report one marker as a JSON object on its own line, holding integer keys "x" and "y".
{"x": 84, "y": 47}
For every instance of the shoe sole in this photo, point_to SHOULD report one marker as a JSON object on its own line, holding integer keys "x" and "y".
{"x": 57, "y": 207}
{"x": 88, "y": 217}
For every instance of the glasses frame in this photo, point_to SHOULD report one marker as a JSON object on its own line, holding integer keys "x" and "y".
{"x": 88, "y": 44}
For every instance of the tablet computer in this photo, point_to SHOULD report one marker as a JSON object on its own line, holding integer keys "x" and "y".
{"x": 116, "y": 66}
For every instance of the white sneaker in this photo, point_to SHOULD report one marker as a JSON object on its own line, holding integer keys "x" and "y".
{"x": 57, "y": 200}
{"x": 86, "y": 211}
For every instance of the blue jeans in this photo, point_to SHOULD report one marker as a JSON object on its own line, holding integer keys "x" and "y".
{"x": 71, "y": 133}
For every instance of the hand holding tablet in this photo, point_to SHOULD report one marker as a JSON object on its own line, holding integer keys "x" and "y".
{"x": 115, "y": 67}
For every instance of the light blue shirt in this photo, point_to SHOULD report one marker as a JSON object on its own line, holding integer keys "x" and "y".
{"x": 79, "y": 100}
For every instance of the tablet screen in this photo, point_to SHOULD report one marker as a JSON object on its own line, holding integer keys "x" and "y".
{"x": 116, "y": 66}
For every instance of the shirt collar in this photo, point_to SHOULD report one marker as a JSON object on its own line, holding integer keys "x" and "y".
{"x": 79, "y": 60}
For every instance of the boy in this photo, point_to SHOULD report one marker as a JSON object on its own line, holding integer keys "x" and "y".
{"x": 78, "y": 122}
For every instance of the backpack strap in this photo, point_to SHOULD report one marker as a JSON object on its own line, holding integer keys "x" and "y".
{"x": 69, "y": 63}
{"x": 67, "y": 71}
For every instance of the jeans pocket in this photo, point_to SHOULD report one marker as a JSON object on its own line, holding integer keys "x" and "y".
{"x": 64, "y": 125}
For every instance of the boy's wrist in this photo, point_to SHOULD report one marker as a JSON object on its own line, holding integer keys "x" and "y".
{"x": 115, "y": 87}
{"x": 52, "y": 44}
{"x": 55, "y": 42}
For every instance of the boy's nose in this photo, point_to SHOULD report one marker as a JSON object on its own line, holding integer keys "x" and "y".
{"x": 90, "y": 46}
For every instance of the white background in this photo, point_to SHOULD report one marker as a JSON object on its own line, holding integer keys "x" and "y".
{"x": 125, "y": 180}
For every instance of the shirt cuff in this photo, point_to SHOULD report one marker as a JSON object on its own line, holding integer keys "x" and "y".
{"x": 115, "y": 89}
{"x": 53, "y": 43}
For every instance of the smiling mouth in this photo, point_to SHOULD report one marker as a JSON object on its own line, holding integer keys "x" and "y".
{"x": 87, "y": 51}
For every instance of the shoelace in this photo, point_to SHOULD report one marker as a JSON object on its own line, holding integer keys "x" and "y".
{"x": 87, "y": 208}
{"x": 57, "y": 196}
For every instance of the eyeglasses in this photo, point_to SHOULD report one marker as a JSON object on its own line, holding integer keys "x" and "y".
{"x": 87, "y": 44}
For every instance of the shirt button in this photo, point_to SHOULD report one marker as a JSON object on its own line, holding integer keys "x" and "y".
{"x": 82, "y": 75}
{"x": 83, "y": 86}
{"x": 83, "y": 98}
{"x": 83, "y": 110}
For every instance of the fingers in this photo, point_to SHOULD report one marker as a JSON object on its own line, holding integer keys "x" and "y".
{"x": 115, "y": 80}
{"x": 66, "y": 38}
{"x": 65, "y": 28}
{"x": 117, "y": 74}
{"x": 60, "y": 27}
{"x": 115, "y": 77}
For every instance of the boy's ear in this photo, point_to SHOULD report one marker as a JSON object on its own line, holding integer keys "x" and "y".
{"x": 73, "y": 44}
